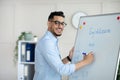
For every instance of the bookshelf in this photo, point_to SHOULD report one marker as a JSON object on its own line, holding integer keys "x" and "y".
{"x": 26, "y": 54}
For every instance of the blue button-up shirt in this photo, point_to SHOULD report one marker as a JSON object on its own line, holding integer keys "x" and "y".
{"x": 48, "y": 64}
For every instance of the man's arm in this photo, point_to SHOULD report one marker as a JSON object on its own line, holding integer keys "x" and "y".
{"x": 68, "y": 58}
{"x": 65, "y": 60}
{"x": 87, "y": 60}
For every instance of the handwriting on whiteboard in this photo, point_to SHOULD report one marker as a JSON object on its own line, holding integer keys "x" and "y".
{"x": 98, "y": 31}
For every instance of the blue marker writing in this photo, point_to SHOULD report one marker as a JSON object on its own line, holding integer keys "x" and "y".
{"x": 84, "y": 54}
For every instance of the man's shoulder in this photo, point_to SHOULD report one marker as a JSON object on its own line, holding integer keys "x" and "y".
{"x": 46, "y": 40}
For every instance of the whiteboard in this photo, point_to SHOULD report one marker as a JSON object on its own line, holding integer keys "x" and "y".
{"x": 100, "y": 34}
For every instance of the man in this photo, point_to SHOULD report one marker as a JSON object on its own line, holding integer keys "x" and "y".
{"x": 48, "y": 63}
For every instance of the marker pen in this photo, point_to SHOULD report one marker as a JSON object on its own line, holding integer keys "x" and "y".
{"x": 84, "y": 53}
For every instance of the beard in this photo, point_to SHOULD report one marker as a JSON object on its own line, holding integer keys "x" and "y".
{"x": 56, "y": 31}
{"x": 57, "y": 35}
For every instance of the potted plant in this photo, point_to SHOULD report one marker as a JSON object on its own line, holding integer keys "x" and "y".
{"x": 20, "y": 37}
{"x": 23, "y": 36}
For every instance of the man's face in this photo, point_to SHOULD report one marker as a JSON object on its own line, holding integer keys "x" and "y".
{"x": 56, "y": 25}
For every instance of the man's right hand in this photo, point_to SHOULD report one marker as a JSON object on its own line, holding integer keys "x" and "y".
{"x": 89, "y": 58}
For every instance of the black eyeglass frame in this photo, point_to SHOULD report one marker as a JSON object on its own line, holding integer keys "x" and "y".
{"x": 59, "y": 23}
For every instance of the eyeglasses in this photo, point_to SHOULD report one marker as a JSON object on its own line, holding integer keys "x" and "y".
{"x": 58, "y": 23}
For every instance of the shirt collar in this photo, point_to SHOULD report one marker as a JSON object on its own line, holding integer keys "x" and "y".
{"x": 55, "y": 39}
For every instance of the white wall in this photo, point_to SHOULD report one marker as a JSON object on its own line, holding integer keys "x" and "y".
{"x": 31, "y": 15}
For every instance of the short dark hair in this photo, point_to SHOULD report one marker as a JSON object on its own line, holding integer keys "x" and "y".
{"x": 56, "y": 13}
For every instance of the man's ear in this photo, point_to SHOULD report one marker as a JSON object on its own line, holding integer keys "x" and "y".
{"x": 48, "y": 23}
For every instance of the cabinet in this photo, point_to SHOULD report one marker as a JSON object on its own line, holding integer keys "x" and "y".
{"x": 26, "y": 58}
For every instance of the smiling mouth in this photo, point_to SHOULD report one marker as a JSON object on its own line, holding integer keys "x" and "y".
{"x": 59, "y": 30}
